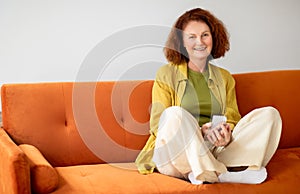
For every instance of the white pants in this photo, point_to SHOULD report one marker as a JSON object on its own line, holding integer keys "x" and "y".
{"x": 180, "y": 147}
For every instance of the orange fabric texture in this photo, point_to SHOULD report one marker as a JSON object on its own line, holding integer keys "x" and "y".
{"x": 14, "y": 169}
{"x": 78, "y": 127}
{"x": 70, "y": 114}
{"x": 44, "y": 177}
{"x": 279, "y": 89}
{"x": 107, "y": 178}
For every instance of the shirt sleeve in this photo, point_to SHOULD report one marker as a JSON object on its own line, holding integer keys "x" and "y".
{"x": 161, "y": 99}
{"x": 232, "y": 112}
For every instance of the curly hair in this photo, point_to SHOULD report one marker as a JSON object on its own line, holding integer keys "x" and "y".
{"x": 174, "y": 49}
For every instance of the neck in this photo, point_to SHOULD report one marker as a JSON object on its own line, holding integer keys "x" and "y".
{"x": 198, "y": 65}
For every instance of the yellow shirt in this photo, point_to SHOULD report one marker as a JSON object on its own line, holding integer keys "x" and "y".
{"x": 168, "y": 90}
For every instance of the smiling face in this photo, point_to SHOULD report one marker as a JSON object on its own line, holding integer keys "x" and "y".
{"x": 197, "y": 40}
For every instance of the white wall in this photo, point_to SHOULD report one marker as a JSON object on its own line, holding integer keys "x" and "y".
{"x": 49, "y": 40}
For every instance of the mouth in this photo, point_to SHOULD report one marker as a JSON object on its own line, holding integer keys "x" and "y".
{"x": 200, "y": 48}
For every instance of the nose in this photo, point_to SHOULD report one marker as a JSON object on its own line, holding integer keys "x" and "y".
{"x": 199, "y": 40}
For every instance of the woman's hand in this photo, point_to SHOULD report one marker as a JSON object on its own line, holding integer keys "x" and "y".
{"x": 218, "y": 136}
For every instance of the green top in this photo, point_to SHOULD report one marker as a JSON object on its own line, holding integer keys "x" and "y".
{"x": 198, "y": 99}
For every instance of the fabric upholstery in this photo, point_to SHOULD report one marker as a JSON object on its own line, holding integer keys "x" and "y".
{"x": 44, "y": 177}
{"x": 107, "y": 178}
{"x": 78, "y": 127}
{"x": 14, "y": 169}
{"x": 274, "y": 88}
{"x": 119, "y": 109}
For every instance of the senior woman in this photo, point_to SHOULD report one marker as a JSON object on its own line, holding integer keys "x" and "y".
{"x": 186, "y": 93}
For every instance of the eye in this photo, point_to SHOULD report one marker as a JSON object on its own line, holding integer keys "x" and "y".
{"x": 205, "y": 34}
{"x": 192, "y": 37}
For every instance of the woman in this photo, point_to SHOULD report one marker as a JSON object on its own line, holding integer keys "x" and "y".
{"x": 186, "y": 93}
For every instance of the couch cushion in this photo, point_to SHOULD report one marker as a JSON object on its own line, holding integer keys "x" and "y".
{"x": 79, "y": 123}
{"x": 35, "y": 114}
{"x": 44, "y": 177}
{"x": 273, "y": 88}
{"x": 106, "y": 178}
{"x": 14, "y": 168}
{"x": 283, "y": 171}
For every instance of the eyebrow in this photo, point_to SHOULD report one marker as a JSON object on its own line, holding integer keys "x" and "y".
{"x": 195, "y": 34}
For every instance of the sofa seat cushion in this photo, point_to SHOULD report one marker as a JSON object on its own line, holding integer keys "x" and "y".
{"x": 105, "y": 178}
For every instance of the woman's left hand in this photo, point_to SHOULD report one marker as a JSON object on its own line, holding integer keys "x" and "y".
{"x": 220, "y": 135}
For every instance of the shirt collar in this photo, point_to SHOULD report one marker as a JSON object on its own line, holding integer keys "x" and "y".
{"x": 183, "y": 71}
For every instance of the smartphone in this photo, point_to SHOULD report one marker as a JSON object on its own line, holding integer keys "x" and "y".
{"x": 217, "y": 119}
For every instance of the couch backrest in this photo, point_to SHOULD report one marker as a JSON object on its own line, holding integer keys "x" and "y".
{"x": 85, "y": 123}
{"x": 81, "y": 123}
{"x": 279, "y": 89}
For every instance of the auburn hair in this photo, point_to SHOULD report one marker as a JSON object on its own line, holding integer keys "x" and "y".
{"x": 174, "y": 50}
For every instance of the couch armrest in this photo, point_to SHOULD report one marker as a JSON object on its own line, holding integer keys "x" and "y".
{"x": 44, "y": 178}
{"x": 14, "y": 167}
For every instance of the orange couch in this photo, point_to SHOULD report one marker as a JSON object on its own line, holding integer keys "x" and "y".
{"x": 84, "y": 137}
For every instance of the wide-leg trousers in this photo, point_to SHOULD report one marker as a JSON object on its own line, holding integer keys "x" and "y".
{"x": 180, "y": 147}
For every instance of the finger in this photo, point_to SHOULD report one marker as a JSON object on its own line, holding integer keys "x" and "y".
{"x": 228, "y": 127}
{"x": 211, "y": 137}
{"x": 207, "y": 125}
{"x": 205, "y": 128}
{"x": 224, "y": 130}
{"x": 217, "y": 134}
{"x": 219, "y": 139}
{"x": 227, "y": 132}
{"x": 228, "y": 137}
